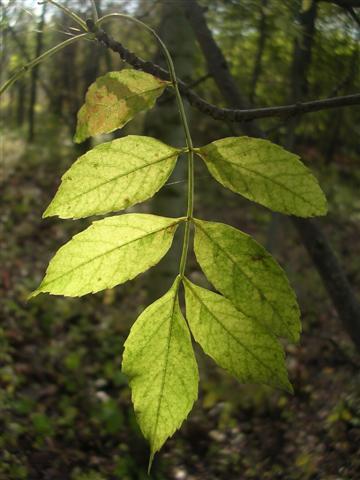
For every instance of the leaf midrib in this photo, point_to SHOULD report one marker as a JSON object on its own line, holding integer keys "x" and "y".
{"x": 117, "y": 177}
{"x": 128, "y": 97}
{"x": 171, "y": 323}
{"x": 228, "y": 331}
{"x": 275, "y": 310}
{"x": 106, "y": 253}
{"x": 269, "y": 179}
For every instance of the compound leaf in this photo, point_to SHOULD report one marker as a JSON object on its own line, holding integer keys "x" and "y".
{"x": 265, "y": 173}
{"x": 109, "y": 252}
{"x": 160, "y": 364}
{"x": 114, "y": 99}
{"x": 236, "y": 342}
{"x": 113, "y": 176}
{"x": 249, "y": 276}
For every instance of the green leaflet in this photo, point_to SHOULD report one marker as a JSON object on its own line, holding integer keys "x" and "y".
{"x": 249, "y": 276}
{"x": 236, "y": 342}
{"x": 160, "y": 364}
{"x": 265, "y": 173}
{"x": 109, "y": 252}
{"x": 113, "y": 176}
{"x": 114, "y": 99}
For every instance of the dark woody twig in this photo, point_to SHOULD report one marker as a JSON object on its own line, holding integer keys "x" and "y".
{"x": 309, "y": 230}
{"x": 228, "y": 114}
{"x": 324, "y": 258}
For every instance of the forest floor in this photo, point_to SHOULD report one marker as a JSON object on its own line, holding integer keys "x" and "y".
{"x": 65, "y": 405}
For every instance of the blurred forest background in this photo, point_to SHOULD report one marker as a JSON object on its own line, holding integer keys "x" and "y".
{"x": 65, "y": 410}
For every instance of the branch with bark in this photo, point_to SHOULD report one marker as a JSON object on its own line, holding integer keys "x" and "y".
{"x": 335, "y": 280}
{"x": 348, "y": 6}
{"x": 316, "y": 243}
{"x": 344, "y": 3}
{"x": 228, "y": 114}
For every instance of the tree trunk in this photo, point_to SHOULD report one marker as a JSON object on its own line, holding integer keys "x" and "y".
{"x": 20, "y": 102}
{"x": 335, "y": 127}
{"x": 300, "y": 63}
{"x": 303, "y": 50}
{"x": 260, "y": 50}
{"x": 333, "y": 277}
{"x": 34, "y": 76}
{"x": 345, "y": 302}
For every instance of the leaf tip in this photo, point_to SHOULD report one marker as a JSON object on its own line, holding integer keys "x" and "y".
{"x": 296, "y": 331}
{"x": 151, "y": 460}
{"x": 324, "y": 209}
{"x": 47, "y": 213}
{"x": 294, "y": 334}
{"x": 321, "y": 210}
{"x": 288, "y": 387}
{"x": 79, "y": 137}
{"x": 283, "y": 383}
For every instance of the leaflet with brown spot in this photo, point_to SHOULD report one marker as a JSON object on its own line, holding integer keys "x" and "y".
{"x": 114, "y": 99}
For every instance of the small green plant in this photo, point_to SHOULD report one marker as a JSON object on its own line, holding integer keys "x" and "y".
{"x": 240, "y": 326}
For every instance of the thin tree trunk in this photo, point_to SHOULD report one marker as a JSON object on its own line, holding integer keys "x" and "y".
{"x": 20, "y": 102}
{"x": 346, "y": 304}
{"x": 303, "y": 50}
{"x": 24, "y": 53}
{"x": 333, "y": 135}
{"x": 334, "y": 128}
{"x": 35, "y": 75}
{"x": 321, "y": 253}
{"x": 333, "y": 277}
{"x": 260, "y": 50}
{"x": 301, "y": 62}
{"x": 108, "y": 60}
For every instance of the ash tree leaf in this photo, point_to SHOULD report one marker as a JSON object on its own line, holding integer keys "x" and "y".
{"x": 109, "y": 252}
{"x": 113, "y": 176}
{"x": 236, "y": 342}
{"x": 162, "y": 370}
{"x": 114, "y": 99}
{"x": 265, "y": 173}
{"x": 249, "y": 276}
